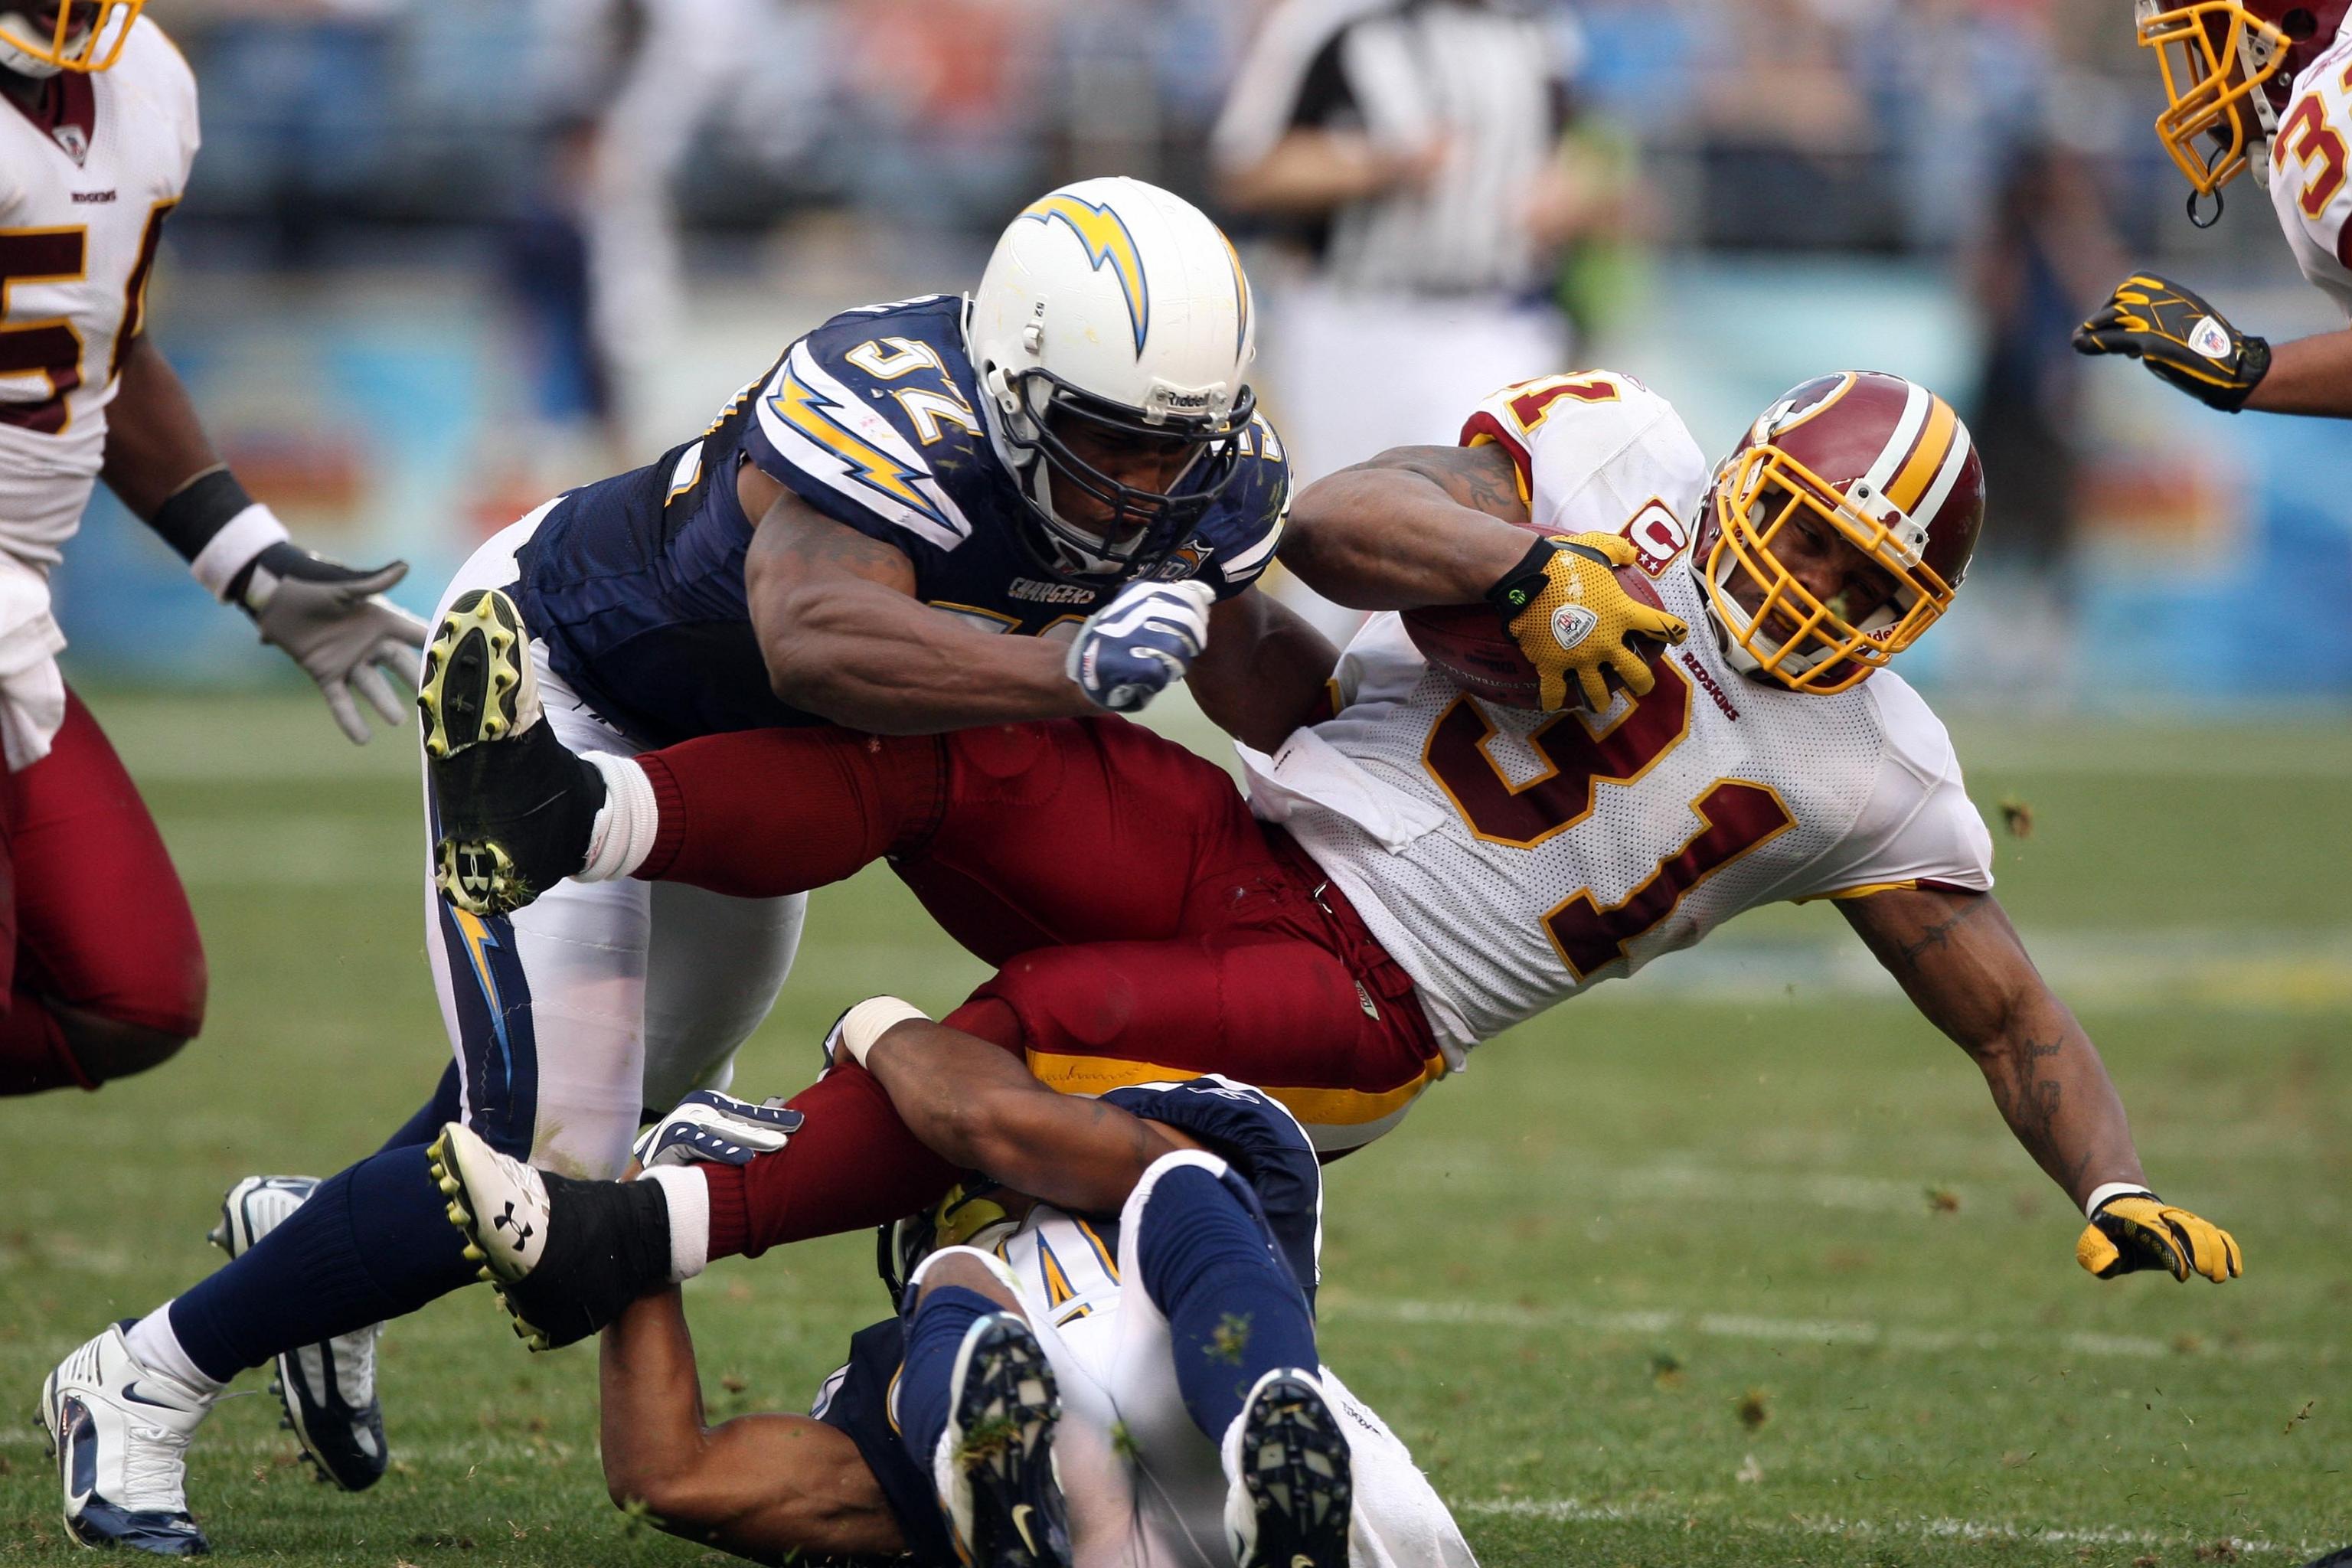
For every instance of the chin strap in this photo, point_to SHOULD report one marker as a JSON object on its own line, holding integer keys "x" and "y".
{"x": 2204, "y": 222}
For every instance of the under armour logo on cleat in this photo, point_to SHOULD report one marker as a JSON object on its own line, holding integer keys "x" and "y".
{"x": 506, "y": 1221}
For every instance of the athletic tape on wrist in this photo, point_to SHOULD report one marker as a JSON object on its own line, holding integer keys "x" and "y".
{"x": 863, "y": 1024}
{"x": 232, "y": 549}
{"x": 2101, "y": 1194}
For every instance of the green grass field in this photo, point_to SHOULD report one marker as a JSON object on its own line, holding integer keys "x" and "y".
{"x": 1731, "y": 1265}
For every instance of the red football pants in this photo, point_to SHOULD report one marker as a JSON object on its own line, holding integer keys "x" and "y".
{"x": 92, "y": 915}
{"x": 1144, "y": 924}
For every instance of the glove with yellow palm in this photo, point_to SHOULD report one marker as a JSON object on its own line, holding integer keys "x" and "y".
{"x": 2136, "y": 1230}
{"x": 1563, "y": 605}
{"x": 2181, "y": 338}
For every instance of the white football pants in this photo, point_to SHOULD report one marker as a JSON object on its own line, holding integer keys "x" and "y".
{"x": 599, "y": 1000}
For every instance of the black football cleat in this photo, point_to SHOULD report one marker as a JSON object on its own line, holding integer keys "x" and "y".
{"x": 1293, "y": 1480}
{"x": 566, "y": 1257}
{"x": 327, "y": 1389}
{"x": 513, "y": 808}
{"x": 994, "y": 1468}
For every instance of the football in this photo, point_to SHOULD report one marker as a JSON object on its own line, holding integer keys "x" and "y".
{"x": 1468, "y": 643}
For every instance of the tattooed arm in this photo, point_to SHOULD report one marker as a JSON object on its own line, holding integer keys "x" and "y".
{"x": 1416, "y": 525}
{"x": 1959, "y": 959}
{"x": 844, "y": 637}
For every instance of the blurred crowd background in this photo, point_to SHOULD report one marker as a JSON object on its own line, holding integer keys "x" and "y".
{"x": 440, "y": 259}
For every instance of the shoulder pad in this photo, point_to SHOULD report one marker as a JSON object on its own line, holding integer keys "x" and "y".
{"x": 1564, "y": 433}
{"x": 860, "y": 414}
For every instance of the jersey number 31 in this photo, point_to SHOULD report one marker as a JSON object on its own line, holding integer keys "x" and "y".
{"x": 1735, "y": 816}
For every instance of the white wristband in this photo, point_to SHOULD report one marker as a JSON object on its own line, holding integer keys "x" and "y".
{"x": 863, "y": 1024}
{"x": 2101, "y": 1194}
{"x": 241, "y": 538}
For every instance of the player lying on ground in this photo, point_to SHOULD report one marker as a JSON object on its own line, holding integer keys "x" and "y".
{"x": 926, "y": 514}
{"x": 1433, "y": 869}
{"x": 1021, "y": 1347}
{"x": 2266, "y": 85}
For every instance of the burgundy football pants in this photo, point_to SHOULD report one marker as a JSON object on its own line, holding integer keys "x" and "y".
{"x": 1144, "y": 925}
{"x": 92, "y": 916}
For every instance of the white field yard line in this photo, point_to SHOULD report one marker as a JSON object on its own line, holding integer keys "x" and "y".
{"x": 1858, "y": 1333}
{"x": 1572, "y": 1511}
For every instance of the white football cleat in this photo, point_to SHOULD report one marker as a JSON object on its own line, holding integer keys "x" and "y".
{"x": 1292, "y": 1477}
{"x": 329, "y": 1388}
{"x": 120, "y": 1433}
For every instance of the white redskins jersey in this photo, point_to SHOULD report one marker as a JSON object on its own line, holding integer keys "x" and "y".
{"x": 1508, "y": 858}
{"x": 2310, "y": 172}
{"x": 81, "y": 209}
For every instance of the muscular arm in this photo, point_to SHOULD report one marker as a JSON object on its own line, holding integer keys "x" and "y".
{"x": 844, "y": 636}
{"x": 1959, "y": 959}
{"x": 1264, "y": 672}
{"x": 2308, "y": 375}
{"x": 1416, "y": 525}
{"x": 154, "y": 443}
{"x": 976, "y": 1106}
{"x": 773, "y": 1487}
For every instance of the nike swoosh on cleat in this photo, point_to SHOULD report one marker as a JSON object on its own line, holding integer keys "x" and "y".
{"x": 1021, "y": 1513}
{"x": 131, "y": 1392}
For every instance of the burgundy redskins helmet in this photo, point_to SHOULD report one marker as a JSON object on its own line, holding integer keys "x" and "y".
{"x": 2217, "y": 55}
{"x": 1890, "y": 467}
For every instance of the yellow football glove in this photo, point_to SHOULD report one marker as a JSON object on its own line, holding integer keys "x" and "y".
{"x": 2139, "y": 1230}
{"x": 1563, "y": 605}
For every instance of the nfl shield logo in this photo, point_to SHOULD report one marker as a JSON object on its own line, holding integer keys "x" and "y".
{"x": 72, "y": 138}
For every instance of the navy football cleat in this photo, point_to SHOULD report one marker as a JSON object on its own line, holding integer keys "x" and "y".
{"x": 327, "y": 1389}
{"x": 1293, "y": 1478}
{"x": 994, "y": 1466}
{"x": 514, "y": 807}
{"x": 120, "y": 1434}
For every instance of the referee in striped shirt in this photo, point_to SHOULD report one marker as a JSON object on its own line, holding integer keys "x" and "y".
{"x": 1415, "y": 146}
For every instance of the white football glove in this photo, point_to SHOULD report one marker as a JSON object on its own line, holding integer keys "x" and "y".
{"x": 1139, "y": 644}
{"x": 334, "y": 621}
{"x": 718, "y": 1130}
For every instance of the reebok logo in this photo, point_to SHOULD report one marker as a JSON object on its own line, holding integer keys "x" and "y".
{"x": 88, "y": 197}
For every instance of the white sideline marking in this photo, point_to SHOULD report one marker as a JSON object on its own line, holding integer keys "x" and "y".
{"x": 1570, "y": 1510}
{"x": 1857, "y": 1332}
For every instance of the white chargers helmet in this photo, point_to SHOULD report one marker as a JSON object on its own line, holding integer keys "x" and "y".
{"x": 1113, "y": 304}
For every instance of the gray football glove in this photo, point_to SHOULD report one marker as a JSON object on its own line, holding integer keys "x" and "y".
{"x": 335, "y": 622}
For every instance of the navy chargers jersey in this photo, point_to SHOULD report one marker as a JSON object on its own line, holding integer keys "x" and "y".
{"x": 636, "y": 582}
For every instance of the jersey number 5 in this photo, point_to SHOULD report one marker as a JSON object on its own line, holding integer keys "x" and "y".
{"x": 50, "y": 346}
{"x": 1735, "y": 816}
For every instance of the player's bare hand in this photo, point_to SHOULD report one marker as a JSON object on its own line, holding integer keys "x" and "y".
{"x": 2182, "y": 339}
{"x": 1565, "y": 608}
{"x": 2139, "y": 1230}
{"x": 334, "y": 621}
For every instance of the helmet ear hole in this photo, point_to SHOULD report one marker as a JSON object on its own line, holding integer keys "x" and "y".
{"x": 2300, "y": 24}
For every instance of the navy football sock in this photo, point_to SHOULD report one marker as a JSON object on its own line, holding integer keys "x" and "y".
{"x": 426, "y": 1124}
{"x": 373, "y": 1242}
{"x": 1234, "y": 1310}
{"x": 934, "y": 1334}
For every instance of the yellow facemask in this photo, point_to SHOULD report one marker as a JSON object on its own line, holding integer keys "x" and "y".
{"x": 1792, "y": 637}
{"x": 2215, "y": 55}
{"x": 87, "y": 37}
